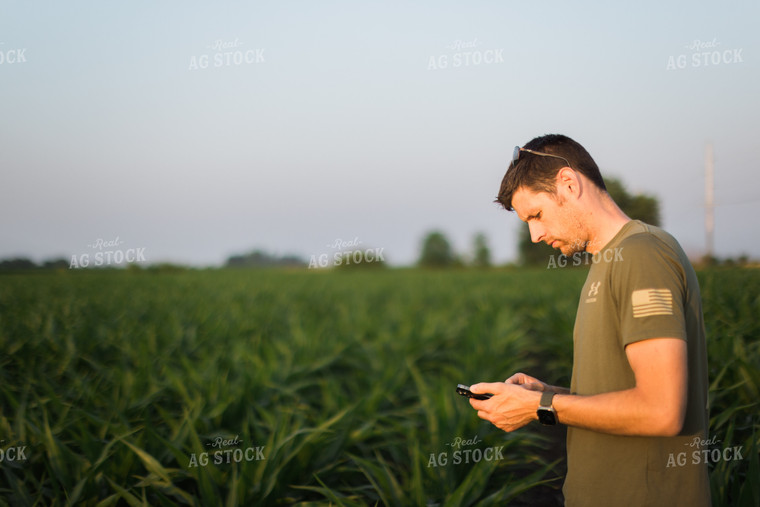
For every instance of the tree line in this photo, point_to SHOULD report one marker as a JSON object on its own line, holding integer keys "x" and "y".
{"x": 436, "y": 250}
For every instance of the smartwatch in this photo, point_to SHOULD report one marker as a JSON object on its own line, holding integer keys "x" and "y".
{"x": 546, "y": 413}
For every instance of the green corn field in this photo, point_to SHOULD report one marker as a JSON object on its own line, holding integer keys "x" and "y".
{"x": 246, "y": 387}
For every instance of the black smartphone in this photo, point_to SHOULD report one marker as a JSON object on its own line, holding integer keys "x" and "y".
{"x": 465, "y": 391}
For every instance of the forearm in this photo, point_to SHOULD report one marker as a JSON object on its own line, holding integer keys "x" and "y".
{"x": 634, "y": 411}
{"x": 652, "y": 407}
{"x": 627, "y": 412}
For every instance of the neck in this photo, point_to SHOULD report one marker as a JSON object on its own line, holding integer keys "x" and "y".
{"x": 605, "y": 220}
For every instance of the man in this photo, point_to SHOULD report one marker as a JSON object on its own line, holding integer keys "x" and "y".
{"x": 638, "y": 394}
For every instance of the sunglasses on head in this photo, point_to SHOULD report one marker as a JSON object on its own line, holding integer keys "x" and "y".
{"x": 516, "y": 155}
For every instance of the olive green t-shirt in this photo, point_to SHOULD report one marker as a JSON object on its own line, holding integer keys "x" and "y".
{"x": 640, "y": 286}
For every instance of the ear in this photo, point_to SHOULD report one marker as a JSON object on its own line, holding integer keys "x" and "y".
{"x": 568, "y": 183}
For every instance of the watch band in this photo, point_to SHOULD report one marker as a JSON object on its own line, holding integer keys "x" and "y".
{"x": 546, "y": 399}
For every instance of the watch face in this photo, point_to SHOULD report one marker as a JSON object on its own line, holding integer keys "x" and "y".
{"x": 546, "y": 416}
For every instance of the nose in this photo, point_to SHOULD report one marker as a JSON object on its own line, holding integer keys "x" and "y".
{"x": 536, "y": 232}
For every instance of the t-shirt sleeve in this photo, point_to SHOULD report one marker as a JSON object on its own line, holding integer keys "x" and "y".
{"x": 649, "y": 284}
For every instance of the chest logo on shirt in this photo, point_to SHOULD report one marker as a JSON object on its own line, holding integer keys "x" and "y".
{"x": 593, "y": 291}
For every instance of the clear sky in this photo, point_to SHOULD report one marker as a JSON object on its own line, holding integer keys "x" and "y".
{"x": 197, "y": 130}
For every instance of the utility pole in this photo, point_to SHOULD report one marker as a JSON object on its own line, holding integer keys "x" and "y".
{"x": 709, "y": 199}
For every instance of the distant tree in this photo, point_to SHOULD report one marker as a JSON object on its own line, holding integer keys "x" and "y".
{"x": 436, "y": 251}
{"x": 261, "y": 259}
{"x": 18, "y": 263}
{"x": 639, "y": 207}
{"x": 56, "y": 264}
{"x": 482, "y": 252}
{"x": 162, "y": 267}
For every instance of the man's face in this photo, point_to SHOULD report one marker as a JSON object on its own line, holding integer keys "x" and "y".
{"x": 551, "y": 220}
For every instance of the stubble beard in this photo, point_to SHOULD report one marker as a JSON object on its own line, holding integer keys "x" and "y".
{"x": 573, "y": 248}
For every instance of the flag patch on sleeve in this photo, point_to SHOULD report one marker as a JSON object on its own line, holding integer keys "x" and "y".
{"x": 648, "y": 302}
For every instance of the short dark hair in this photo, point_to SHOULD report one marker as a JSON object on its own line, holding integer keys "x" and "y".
{"x": 539, "y": 174}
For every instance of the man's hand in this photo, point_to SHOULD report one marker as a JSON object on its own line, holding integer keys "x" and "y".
{"x": 513, "y": 405}
{"x": 528, "y": 382}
